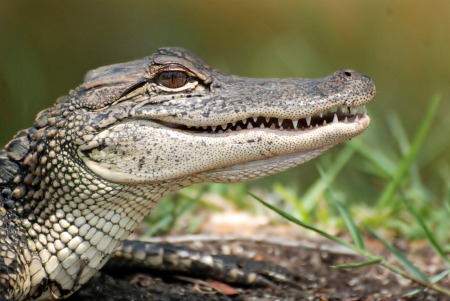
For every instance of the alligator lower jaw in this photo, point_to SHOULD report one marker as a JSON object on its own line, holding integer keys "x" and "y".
{"x": 260, "y": 168}
{"x": 336, "y": 115}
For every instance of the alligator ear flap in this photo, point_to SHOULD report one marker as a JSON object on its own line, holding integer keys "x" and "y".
{"x": 105, "y": 85}
{"x": 98, "y": 94}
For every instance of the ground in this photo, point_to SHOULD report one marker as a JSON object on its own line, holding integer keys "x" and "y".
{"x": 310, "y": 259}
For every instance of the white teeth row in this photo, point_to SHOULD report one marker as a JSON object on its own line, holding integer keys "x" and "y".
{"x": 340, "y": 110}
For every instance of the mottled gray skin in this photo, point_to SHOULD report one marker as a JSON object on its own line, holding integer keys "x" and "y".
{"x": 75, "y": 184}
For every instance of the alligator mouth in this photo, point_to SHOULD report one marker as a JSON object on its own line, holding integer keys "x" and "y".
{"x": 335, "y": 115}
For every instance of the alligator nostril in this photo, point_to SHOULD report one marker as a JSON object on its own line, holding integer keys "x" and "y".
{"x": 347, "y": 73}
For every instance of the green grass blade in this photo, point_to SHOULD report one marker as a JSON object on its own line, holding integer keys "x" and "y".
{"x": 399, "y": 133}
{"x": 384, "y": 166}
{"x": 425, "y": 229}
{"x": 390, "y": 190}
{"x": 446, "y": 200}
{"x": 310, "y": 197}
{"x": 291, "y": 198}
{"x": 305, "y": 225}
{"x": 350, "y": 223}
{"x": 412, "y": 269}
{"x": 433, "y": 280}
{"x": 161, "y": 224}
{"x": 447, "y": 208}
{"x": 357, "y": 264}
{"x": 348, "y": 220}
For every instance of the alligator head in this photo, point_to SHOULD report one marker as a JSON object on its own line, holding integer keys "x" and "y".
{"x": 76, "y": 184}
{"x": 171, "y": 116}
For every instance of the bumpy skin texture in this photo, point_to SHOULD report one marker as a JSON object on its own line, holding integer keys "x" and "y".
{"x": 76, "y": 184}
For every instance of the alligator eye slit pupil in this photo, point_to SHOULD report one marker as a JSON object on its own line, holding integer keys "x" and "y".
{"x": 173, "y": 79}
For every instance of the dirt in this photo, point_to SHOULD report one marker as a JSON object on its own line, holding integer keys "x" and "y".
{"x": 308, "y": 259}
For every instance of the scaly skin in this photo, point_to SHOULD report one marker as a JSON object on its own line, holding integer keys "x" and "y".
{"x": 75, "y": 184}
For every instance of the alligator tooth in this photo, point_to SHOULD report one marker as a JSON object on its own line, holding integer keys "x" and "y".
{"x": 244, "y": 121}
{"x": 233, "y": 123}
{"x": 345, "y": 120}
{"x": 281, "y": 128}
{"x": 249, "y": 126}
{"x": 219, "y": 132}
{"x": 262, "y": 125}
{"x": 324, "y": 122}
{"x": 310, "y": 127}
{"x": 255, "y": 119}
{"x": 267, "y": 119}
{"x": 295, "y": 123}
{"x": 280, "y": 122}
{"x": 272, "y": 126}
{"x": 224, "y": 126}
{"x": 356, "y": 118}
{"x": 320, "y": 115}
{"x": 317, "y": 125}
{"x": 296, "y": 129}
{"x": 365, "y": 111}
{"x": 308, "y": 120}
{"x": 214, "y": 128}
{"x": 229, "y": 131}
{"x": 238, "y": 128}
{"x": 335, "y": 118}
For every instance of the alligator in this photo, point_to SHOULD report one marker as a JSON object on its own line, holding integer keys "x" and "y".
{"x": 78, "y": 182}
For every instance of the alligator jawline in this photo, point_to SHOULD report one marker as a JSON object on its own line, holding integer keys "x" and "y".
{"x": 335, "y": 115}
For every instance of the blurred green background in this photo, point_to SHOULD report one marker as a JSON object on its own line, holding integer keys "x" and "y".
{"x": 46, "y": 47}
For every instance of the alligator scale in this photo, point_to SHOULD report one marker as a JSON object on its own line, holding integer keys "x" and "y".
{"x": 75, "y": 184}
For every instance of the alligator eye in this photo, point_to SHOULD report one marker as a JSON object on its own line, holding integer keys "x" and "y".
{"x": 173, "y": 79}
